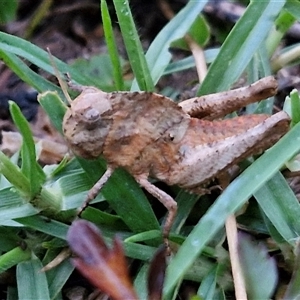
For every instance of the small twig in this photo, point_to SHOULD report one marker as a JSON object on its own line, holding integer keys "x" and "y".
{"x": 290, "y": 174}
{"x": 63, "y": 255}
{"x": 64, "y": 9}
{"x": 232, "y": 240}
{"x": 166, "y": 9}
{"x": 199, "y": 57}
{"x": 38, "y": 16}
{"x": 237, "y": 274}
{"x": 285, "y": 58}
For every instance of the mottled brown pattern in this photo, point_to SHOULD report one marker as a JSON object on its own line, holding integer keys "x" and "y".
{"x": 148, "y": 134}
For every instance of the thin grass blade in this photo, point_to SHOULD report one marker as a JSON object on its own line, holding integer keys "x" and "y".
{"x": 30, "y": 167}
{"x": 239, "y": 47}
{"x": 32, "y": 283}
{"x": 13, "y": 257}
{"x": 133, "y": 46}
{"x": 37, "y": 56}
{"x": 281, "y": 206}
{"x": 158, "y": 55}
{"x": 112, "y": 46}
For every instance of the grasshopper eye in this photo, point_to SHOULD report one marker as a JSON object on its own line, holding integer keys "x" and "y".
{"x": 92, "y": 115}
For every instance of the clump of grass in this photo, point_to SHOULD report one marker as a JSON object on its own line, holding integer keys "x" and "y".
{"x": 42, "y": 203}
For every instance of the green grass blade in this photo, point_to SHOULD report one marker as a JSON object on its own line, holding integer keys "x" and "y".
{"x": 208, "y": 285}
{"x": 101, "y": 218}
{"x": 125, "y": 196}
{"x": 45, "y": 225}
{"x": 258, "y": 67}
{"x": 281, "y": 206}
{"x": 138, "y": 251}
{"x": 284, "y": 21}
{"x": 239, "y": 47}
{"x": 40, "y": 58}
{"x": 185, "y": 202}
{"x": 14, "y": 175}
{"x": 68, "y": 192}
{"x": 13, "y": 205}
{"x": 54, "y": 107}
{"x": 9, "y": 213}
{"x": 259, "y": 269}
{"x": 293, "y": 288}
{"x": 25, "y": 73}
{"x": 32, "y": 283}
{"x": 293, "y": 7}
{"x": 189, "y": 62}
{"x": 13, "y": 257}
{"x": 112, "y": 46}
{"x": 9, "y": 238}
{"x": 30, "y": 167}
{"x": 295, "y": 106}
{"x": 133, "y": 46}
{"x": 158, "y": 55}
{"x": 8, "y": 11}
{"x": 134, "y": 208}
{"x": 58, "y": 276}
{"x": 140, "y": 282}
{"x": 233, "y": 197}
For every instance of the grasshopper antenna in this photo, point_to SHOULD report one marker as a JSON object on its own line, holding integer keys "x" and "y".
{"x": 62, "y": 83}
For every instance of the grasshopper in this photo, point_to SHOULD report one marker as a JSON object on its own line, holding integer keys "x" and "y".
{"x": 183, "y": 144}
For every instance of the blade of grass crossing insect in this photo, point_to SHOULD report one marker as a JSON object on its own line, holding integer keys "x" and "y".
{"x": 32, "y": 283}
{"x": 133, "y": 46}
{"x": 236, "y": 194}
{"x": 240, "y": 45}
{"x": 158, "y": 55}
{"x": 112, "y": 47}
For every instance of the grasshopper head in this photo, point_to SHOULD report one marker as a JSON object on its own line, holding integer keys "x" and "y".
{"x": 87, "y": 122}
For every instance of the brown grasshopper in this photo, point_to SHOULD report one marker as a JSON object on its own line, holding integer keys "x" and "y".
{"x": 150, "y": 135}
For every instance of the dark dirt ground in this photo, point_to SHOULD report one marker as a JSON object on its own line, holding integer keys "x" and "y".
{"x": 72, "y": 29}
